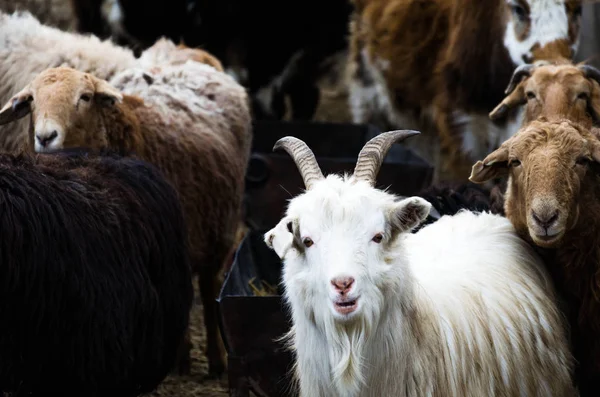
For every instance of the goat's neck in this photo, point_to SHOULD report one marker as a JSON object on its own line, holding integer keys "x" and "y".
{"x": 581, "y": 242}
{"x": 576, "y": 262}
{"x": 357, "y": 360}
{"x": 123, "y": 126}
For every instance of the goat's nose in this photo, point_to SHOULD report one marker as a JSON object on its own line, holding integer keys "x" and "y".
{"x": 342, "y": 284}
{"x": 546, "y": 218}
{"x": 45, "y": 139}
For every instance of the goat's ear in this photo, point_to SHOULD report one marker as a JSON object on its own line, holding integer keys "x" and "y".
{"x": 493, "y": 166}
{"x": 515, "y": 98}
{"x": 280, "y": 238}
{"x": 106, "y": 94}
{"x": 594, "y": 103}
{"x": 409, "y": 213}
{"x": 17, "y": 107}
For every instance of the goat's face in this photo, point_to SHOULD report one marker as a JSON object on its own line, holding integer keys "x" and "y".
{"x": 554, "y": 91}
{"x": 65, "y": 107}
{"x": 340, "y": 241}
{"x": 547, "y": 163}
{"x": 542, "y": 29}
{"x": 340, "y": 245}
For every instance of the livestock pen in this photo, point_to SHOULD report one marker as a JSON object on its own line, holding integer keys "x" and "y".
{"x": 333, "y": 75}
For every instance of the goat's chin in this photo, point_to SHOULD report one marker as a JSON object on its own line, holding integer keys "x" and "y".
{"x": 546, "y": 241}
{"x": 345, "y": 311}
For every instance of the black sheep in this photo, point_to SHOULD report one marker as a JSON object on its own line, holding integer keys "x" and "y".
{"x": 447, "y": 198}
{"x": 95, "y": 283}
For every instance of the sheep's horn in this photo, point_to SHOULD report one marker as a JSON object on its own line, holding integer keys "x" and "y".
{"x": 523, "y": 70}
{"x": 372, "y": 154}
{"x": 303, "y": 157}
{"x": 590, "y": 72}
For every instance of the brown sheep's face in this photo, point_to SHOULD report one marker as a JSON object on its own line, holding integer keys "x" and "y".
{"x": 65, "y": 106}
{"x": 547, "y": 163}
{"x": 555, "y": 91}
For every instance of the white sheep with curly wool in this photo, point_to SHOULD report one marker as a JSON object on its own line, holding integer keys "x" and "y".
{"x": 461, "y": 308}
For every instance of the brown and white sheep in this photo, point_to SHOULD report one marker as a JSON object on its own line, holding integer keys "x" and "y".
{"x": 27, "y": 47}
{"x": 552, "y": 200}
{"x": 444, "y": 64}
{"x": 552, "y": 91}
{"x": 181, "y": 126}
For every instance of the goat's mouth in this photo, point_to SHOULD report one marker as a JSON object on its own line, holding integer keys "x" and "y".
{"x": 547, "y": 240}
{"x": 347, "y": 306}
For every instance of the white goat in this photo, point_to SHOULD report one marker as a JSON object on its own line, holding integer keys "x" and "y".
{"x": 461, "y": 308}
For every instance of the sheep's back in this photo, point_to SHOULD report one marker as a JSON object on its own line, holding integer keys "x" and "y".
{"x": 486, "y": 292}
{"x": 95, "y": 285}
{"x": 197, "y": 129}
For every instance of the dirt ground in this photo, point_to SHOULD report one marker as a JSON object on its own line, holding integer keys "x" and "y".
{"x": 194, "y": 385}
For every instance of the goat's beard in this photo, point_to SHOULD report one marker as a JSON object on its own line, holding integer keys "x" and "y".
{"x": 347, "y": 344}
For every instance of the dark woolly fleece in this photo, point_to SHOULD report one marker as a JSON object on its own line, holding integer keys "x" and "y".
{"x": 95, "y": 283}
{"x": 449, "y": 197}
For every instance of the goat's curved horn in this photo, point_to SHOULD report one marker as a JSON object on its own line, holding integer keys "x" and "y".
{"x": 372, "y": 154}
{"x": 523, "y": 70}
{"x": 303, "y": 157}
{"x": 590, "y": 72}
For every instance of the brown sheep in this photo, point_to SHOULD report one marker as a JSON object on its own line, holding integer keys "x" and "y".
{"x": 552, "y": 200}
{"x": 201, "y": 149}
{"x": 553, "y": 91}
{"x": 442, "y": 65}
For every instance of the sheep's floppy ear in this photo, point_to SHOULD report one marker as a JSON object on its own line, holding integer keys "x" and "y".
{"x": 106, "y": 94}
{"x": 515, "y": 98}
{"x": 409, "y": 213}
{"x": 515, "y": 92}
{"x": 280, "y": 238}
{"x": 17, "y": 107}
{"x": 493, "y": 166}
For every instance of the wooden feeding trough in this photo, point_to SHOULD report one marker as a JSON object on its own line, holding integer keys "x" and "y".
{"x": 252, "y": 313}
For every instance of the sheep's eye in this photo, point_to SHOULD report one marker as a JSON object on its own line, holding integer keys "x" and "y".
{"x": 582, "y": 161}
{"x": 85, "y": 97}
{"x": 530, "y": 95}
{"x": 518, "y": 11}
{"x": 378, "y": 238}
{"x": 577, "y": 11}
{"x": 582, "y": 95}
{"x": 307, "y": 242}
{"x": 514, "y": 163}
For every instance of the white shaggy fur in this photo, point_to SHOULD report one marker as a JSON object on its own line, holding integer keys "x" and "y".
{"x": 462, "y": 308}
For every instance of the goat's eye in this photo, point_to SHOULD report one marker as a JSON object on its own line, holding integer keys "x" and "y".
{"x": 85, "y": 97}
{"x": 378, "y": 238}
{"x": 582, "y": 95}
{"x": 514, "y": 163}
{"x": 582, "y": 161}
{"x": 530, "y": 95}
{"x": 519, "y": 11}
{"x": 577, "y": 11}
{"x": 307, "y": 242}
